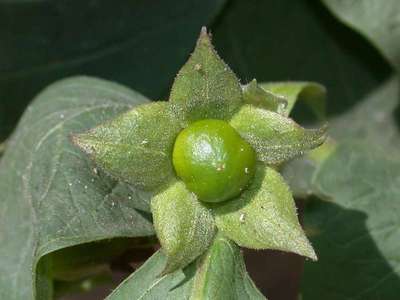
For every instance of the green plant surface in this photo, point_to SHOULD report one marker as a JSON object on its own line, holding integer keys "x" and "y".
{"x": 205, "y": 87}
{"x": 381, "y": 107}
{"x": 52, "y": 196}
{"x": 254, "y": 94}
{"x": 117, "y": 145}
{"x": 382, "y": 128}
{"x": 220, "y": 274}
{"x": 55, "y": 197}
{"x": 185, "y": 226}
{"x": 379, "y": 22}
{"x": 312, "y": 93}
{"x": 356, "y": 232}
{"x": 299, "y": 171}
{"x": 275, "y": 137}
{"x": 264, "y": 217}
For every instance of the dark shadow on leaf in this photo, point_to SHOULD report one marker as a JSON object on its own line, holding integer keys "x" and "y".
{"x": 350, "y": 265}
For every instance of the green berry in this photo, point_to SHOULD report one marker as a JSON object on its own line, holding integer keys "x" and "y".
{"x": 213, "y": 160}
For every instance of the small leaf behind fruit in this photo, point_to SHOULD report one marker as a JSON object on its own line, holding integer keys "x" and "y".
{"x": 254, "y": 94}
{"x": 264, "y": 216}
{"x": 313, "y": 94}
{"x": 205, "y": 87}
{"x": 184, "y": 226}
{"x": 275, "y": 137}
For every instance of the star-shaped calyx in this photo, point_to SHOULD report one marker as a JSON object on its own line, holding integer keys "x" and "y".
{"x": 210, "y": 156}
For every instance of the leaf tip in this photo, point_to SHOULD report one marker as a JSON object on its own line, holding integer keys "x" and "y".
{"x": 311, "y": 253}
{"x": 172, "y": 265}
{"x": 83, "y": 142}
{"x": 306, "y": 249}
{"x": 203, "y": 31}
{"x": 319, "y": 136}
{"x": 324, "y": 128}
{"x": 205, "y": 37}
{"x": 168, "y": 269}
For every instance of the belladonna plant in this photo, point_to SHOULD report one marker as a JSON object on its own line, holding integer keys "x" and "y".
{"x": 210, "y": 156}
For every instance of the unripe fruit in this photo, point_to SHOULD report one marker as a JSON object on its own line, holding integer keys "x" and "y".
{"x": 213, "y": 160}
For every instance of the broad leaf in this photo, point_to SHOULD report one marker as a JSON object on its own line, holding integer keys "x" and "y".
{"x": 381, "y": 129}
{"x": 147, "y": 283}
{"x": 205, "y": 87}
{"x": 313, "y": 94}
{"x": 135, "y": 147}
{"x": 122, "y": 41}
{"x": 378, "y": 21}
{"x": 221, "y": 274}
{"x": 357, "y": 232}
{"x": 375, "y": 119}
{"x": 275, "y": 137}
{"x": 52, "y": 196}
{"x": 184, "y": 226}
{"x": 264, "y": 216}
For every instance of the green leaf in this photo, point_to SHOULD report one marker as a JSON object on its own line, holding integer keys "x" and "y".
{"x": 356, "y": 232}
{"x": 299, "y": 172}
{"x": 184, "y": 226}
{"x": 221, "y": 274}
{"x": 264, "y": 217}
{"x": 308, "y": 44}
{"x": 254, "y": 94}
{"x": 205, "y": 87}
{"x": 135, "y": 147}
{"x": 378, "y": 21}
{"x": 147, "y": 283}
{"x": 120, "y": 41}
{"x": 275, "y": 137}
{"x": 52, "y": 196}
{"x": 381, "y": 129}
{"x": 312, "y": 93}
{"x": 382, "y": 123}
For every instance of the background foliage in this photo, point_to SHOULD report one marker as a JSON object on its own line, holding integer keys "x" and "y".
{"x": 351, "y": 47}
